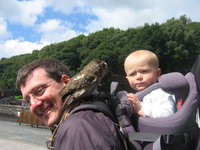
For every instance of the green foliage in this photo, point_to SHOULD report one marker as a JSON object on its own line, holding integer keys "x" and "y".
{"x": 18, "y": 97}
{"x": 176, "y": 42}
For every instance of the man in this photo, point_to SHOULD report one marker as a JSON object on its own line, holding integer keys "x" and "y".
{"x": 40, "y": 83}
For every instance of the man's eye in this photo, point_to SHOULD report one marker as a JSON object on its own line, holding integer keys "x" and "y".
{"x": 27, "y": 101}
{"x": 39, "y": 91}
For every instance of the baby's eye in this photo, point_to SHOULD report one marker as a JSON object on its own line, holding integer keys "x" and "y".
{"x": 132, "y": 74}
{"x": 144, "y": 71}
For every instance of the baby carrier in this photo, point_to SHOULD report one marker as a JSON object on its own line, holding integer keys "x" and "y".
{"x": 179, "y": 131}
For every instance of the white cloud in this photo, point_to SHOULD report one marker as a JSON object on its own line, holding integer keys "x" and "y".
{"x": 22, "y": 12}
{"x": 113, "y": 13}
{"x": 116, "y": 4}
{"x": 132, "y": 13}
{"x": 17, "y": 47}
{"x": 177, "y": 8}
{"x": 3, "y": 30}
{"x": 123, "y": 18}
{"x": 55, "y": 31}
{"x": 66, "y": 6}
{"x": 108, "y": 13}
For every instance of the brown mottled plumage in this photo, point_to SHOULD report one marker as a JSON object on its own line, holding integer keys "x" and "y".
{"x": 84, "y": 82}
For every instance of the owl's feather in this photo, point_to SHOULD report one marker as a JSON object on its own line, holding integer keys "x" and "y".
{"x": 84, "y": 82}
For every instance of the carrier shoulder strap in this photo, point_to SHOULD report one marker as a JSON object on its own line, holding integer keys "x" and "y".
{"x": 113, "y": 89}
{"x": 99, "y": 106}
{"x": 96, "y": 106}
{"x": 196, "y": 71}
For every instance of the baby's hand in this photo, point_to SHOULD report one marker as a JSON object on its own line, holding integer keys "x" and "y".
{"x": 136, "y": 103}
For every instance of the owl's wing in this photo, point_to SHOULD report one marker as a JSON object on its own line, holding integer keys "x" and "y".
{"x": 77, "y": 83}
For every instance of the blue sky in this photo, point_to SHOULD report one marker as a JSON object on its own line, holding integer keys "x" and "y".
{"x": 26, "y": 25}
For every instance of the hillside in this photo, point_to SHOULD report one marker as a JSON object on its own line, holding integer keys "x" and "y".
{"x": 176, "y": 42}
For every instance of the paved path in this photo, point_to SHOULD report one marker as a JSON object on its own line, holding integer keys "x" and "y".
{"x": 22, "y": 137}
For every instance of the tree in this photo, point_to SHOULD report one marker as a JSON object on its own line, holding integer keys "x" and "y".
{"x": 176, "y": 42}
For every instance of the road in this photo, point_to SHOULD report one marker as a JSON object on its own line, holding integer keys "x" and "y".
{"x": 22, "y": 137}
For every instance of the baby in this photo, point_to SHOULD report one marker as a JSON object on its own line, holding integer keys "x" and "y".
{"x": 142, "y": 70}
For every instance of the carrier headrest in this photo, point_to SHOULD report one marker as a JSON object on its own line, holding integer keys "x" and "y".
{"x": 174, "y": 83}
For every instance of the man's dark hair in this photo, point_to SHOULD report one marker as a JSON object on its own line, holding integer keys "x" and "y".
{"x": 53, "y": 67}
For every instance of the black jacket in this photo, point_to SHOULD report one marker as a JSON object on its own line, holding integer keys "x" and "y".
{"x": 87, "y": 130}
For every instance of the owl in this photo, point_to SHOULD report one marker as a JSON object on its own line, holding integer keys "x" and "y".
{"x": 85, "y": 82}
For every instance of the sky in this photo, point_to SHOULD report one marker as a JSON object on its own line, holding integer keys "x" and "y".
{"x": 27, "y": 25}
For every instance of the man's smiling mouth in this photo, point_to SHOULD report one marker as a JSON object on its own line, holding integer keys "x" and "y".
{"x": 46, "y": 112}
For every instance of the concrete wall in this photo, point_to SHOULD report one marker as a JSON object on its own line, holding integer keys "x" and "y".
{"x": 10, "y": 110}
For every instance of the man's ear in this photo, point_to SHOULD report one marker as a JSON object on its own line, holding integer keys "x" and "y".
{"x": 65, "y": 79}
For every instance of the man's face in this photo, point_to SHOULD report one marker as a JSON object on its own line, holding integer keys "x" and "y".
{"x": 43, "y": 94}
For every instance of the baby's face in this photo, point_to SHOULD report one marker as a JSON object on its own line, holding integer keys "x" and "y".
{"x": 140, "y": 74}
